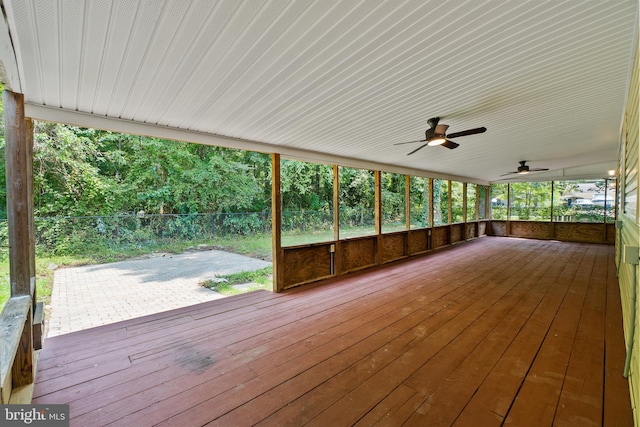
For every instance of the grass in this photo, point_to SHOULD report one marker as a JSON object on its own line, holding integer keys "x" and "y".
{"x": 257, "y": 246}
{"x": 259, "y": 279}
{"x": 254, "y": 246}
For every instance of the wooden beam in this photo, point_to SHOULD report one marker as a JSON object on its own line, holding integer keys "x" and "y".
{"x": 377, "y": 188}
{"x": 276, "y": 224}
{"x": 378, "y": 201}
{"x": 449, "y": 216}
{"x": 32, "y": 228}
{"x": 17, "y": 193}
{"x": 508, "y": 227}
{"x": 337, "y": 248}
{"x": 407, "y": 201}
{"x": 430, "y": 184}
{"x": 464, "y": 204}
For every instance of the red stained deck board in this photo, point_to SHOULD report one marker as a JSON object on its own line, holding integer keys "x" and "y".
{"x": 356, "y": 401}
{"x": 466, "y": 326}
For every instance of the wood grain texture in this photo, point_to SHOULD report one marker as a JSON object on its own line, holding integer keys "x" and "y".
{"x": 457, "y": 233}
{"x": 358, "y": 253}
{"x": 12, "y": 320}
{"x": 418, "y": 241}
{"x": 440, "y": 236}
{"x": 306, "y": 264}
{"x": 393, "y": 246}
{"x": 531, "y": 229}
{"x": 490, "y": 332}
{"x": 18, "y": 183}
{"x": 276, "y": 224}
{"x": 579, "y": 232}
{"x": 497, "y": 228}
{"x": 482, "y": 228}
{"x": 471, "y": 230}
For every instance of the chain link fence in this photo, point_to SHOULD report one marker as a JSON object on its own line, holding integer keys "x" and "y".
{"x": 78, "y": 234}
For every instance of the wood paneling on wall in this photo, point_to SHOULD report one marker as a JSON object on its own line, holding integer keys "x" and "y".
{"x": 440, "y": 236}
{"x": 393, "y": 246}
{"x": 311, "y": 263}
{"x": 566, "y": 231}
{"x": 419, "y": 241}
{"x": 531, "y": 229}
{"x": 358, "y": 253}
{"x": 457, "y": 233}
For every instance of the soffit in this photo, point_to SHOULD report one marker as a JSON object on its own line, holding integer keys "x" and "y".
{"x": 343, "y": 79}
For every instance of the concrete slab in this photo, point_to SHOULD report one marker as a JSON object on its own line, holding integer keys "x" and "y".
{"x": 94, "y": 295}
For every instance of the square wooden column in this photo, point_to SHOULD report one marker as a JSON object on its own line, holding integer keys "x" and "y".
{"x": 19, "y": 170}
{"x": 276, "y": 224}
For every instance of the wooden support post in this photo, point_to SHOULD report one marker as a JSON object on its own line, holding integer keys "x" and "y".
{"x": 449, "y": 215}
{"x": 430, "y": 232}
{"x": 19, "y": 224}
{"x": 407, "y": 213}
{"x": 17, "y": 193}
{"x": 487, "y": 202}
{"x": 552, "y": 224}
{"x": 378, "y": 214}
{"x": 430, "y": 184}
{"x": 32, "y": 227}
{"x": 37, "y": 308}
{"x": 276, "y": 224}
{"x": 337, "y": 253}
{"x": 464, "y": 206}
{"x": 508, "y": 226}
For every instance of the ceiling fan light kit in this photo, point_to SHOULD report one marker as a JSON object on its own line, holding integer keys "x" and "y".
{"x": 437, "y": 140}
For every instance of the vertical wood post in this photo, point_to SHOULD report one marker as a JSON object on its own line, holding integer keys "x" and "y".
{"x": 508, "y": 226}
{"x": 430, "y": 184}
{"x": 32, "y": 227}
{"x": 276, "y": 224}
{"x": 487, "y": 202}
{"x": 20, "y": 221}
{"x": 377, "y": 188}
{"x": 337, "y": 253}
{"x": 17, "y": 193}
{"x": 478, "y": 204}
{"x": 407, "y": 213}
{"x": 464, "y": 207}
{"x": 407, "y": 201}
{"x": 552, "y": 224}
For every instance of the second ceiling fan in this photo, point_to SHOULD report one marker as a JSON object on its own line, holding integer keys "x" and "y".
{"x": 437, "y": 135}
{"x": 524, "y": 169}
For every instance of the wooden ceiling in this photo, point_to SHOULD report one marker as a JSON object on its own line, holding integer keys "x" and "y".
{"x": 341, "y": 81}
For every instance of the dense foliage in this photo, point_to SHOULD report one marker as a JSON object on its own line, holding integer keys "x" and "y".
{"x": 86, "y": 172}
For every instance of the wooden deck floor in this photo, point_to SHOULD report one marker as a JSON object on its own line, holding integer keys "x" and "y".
{"x": 491, "y": 332}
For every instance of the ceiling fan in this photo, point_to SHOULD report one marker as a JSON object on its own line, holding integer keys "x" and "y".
{"x": 525, "y": 169}
{"x": 437, "y": 135}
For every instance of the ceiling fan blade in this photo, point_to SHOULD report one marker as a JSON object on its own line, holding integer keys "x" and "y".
{"x": 538, "y": 169}
{"x": 441, "y": 129}
{"x": 419, "y": 148}
{"x": 450, "y": 144}
{"x": 410, "y": 142}
{"x": 467, "y": 132}
{"x": 509, "y": 173}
